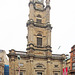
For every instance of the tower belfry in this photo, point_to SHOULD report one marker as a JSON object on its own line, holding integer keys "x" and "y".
{"x": 39, "y": 27}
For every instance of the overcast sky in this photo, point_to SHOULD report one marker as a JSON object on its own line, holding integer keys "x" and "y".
{"x": 13, "y": 30}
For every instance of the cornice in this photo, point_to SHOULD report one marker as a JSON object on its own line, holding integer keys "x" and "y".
{"x": 37, "y": 56}
{"x": 37, "y": 24}
{"x": 31, "y": 3}
{"x": 44, "y": 8}
{"x": 72, "y": 50}
{"x": 39, "y": 3}
{"x": 30, "y": 44}
{"x": 35, "y": 3}
{"x": 38, "y": 49}
{"x": 48, "y": 6}
{"x": 30, "y": 48}
{"x": 48, "y": 46}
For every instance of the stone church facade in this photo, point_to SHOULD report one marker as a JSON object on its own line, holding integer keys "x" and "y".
{"x": 38, "y": 60}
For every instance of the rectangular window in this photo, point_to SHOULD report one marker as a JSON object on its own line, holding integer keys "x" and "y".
{"x": 21, "y": 73}
{"x": 39, "y": 41}
{"x": 73, "y": 66}
{"x": 56, "y": 74}
{"x": 74, "y": 52}
{"x": 73, "y": 58}
{"x": 39, "y": 73}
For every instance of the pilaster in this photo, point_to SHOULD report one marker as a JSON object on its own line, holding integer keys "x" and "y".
{"x": 31, "y": 66}
{"x": 48, "y": 67}
{"x": 12, "y": 62}
{"x": 31, "y": 6}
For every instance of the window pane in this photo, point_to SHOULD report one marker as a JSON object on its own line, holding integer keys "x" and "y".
{"x": 39, "y": 41}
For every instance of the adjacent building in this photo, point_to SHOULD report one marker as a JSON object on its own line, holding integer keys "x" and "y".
{"x": 3, "y": 61}
{"x": 68, "y": 65}
{"x": 38, "y": 60}
{"x": 72, "y": 60}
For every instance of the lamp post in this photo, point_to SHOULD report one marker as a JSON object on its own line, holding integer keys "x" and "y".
{"x": 18, "y": 56}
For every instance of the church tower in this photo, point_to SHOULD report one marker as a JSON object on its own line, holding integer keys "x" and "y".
{"x": 38, "y": 60}
{"x": 39, "y": 28}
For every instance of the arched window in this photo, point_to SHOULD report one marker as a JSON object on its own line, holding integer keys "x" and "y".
{"x": 38, "y": 20}
{"x": 39, "y": 66}
{"x": 39, "y": 16}
{"x": 39, "y": 34}
{"x": 39, "y": 39}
